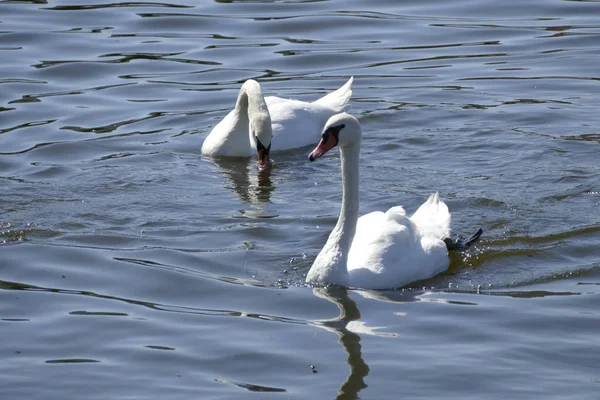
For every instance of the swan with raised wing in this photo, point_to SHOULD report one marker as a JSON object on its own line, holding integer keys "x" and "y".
{"x": 380, "y": 250}
{"x": 255, "y": 121}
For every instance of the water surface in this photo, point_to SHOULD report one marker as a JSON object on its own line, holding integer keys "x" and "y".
{"x": 133, "y": 267}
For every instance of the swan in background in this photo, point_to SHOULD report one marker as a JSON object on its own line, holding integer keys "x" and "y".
{"x": 255, "y": 120}
{"x": 380, "y": 250}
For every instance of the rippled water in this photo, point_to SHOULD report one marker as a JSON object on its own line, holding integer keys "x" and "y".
{"x": 132, "y": 267}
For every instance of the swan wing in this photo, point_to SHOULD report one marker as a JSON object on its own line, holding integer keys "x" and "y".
{"x": 299, "y": 123}
{"x": 383, "y": 244}
{"x": 389, "y": 251}
{"x": 338, "y": 100}
{"x": 296, "y": 123}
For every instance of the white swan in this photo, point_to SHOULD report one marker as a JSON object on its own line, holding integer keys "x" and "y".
{"x": 380, "y": 250}
{"x": 255, "y": 120}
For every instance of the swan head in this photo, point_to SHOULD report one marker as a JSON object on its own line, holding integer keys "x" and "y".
{"x": 341, "y": 130}
{"x": 262, "y": 132}
{"x": 260, "y": 128}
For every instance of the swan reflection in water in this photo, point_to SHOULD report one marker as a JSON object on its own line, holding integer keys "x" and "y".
{"x": 252, "y": 186}
{"x": 348, "y": 339}
{"x": 349, "y": 327}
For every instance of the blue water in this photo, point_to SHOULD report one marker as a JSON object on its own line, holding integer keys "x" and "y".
{"x": 133, "y": 267}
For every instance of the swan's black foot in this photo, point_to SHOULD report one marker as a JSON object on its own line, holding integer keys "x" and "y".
{"x": 460, "y": 244}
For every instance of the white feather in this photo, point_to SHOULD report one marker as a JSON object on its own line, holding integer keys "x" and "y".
{"x": 379, "y": 250}
{"x": 294, "y": 123}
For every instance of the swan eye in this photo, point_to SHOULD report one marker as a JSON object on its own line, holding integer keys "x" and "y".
{"x": 333, "y": 131}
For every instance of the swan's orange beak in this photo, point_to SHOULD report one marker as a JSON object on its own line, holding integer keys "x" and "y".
{"x": 264, "y": 161}
{"x": 328, "y": 141}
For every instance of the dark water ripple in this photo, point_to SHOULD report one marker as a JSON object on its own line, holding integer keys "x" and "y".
{"x": 130, "y": 266}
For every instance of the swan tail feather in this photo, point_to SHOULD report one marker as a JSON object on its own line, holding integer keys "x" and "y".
{"x": 460, "y": 244}
{"x": 433, "y": 217}
{"x": 338, "y": 100}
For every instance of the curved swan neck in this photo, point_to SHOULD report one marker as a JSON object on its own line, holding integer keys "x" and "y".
{"x": 250, "y": 94}
{"x": 350, "y": 197}
{"x": 252, "y": 110}
{"x": 331, "y": 265}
